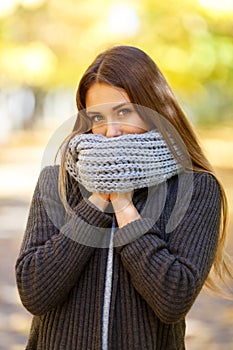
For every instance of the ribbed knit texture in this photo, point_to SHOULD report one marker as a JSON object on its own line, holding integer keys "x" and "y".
{"x": 120, "y": 164}
{"x": 156, "y": 278}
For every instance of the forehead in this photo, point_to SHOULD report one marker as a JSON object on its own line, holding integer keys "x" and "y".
{"x": 101, "y": 93}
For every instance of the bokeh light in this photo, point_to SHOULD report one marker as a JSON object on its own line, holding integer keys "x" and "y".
{"x": 35, "y": 63}
{"x": 123, "y": 19}
{"x": 7, "y": 7}
{"x": 218, "y": 5}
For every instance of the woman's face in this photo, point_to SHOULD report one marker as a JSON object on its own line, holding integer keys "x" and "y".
{"x": 111, "y": 112}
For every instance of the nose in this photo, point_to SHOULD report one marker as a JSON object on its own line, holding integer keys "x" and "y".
{"x": 113, "y": 129}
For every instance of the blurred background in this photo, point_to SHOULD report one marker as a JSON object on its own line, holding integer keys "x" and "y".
{"x": 45, "y": 46}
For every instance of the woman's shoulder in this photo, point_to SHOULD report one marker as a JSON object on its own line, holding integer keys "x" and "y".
{"x": 50, "y": 170}
{"x": 50, "y": 173}
{"x": 194, "y": 183}
{"x": 48, "y": 178}
{"x": 206, "y": 179}
{"x": 197, "y": 177}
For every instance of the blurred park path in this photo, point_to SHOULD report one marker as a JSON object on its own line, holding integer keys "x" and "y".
{"x": 210, "y": 322}
{"x": 19, "y": 168}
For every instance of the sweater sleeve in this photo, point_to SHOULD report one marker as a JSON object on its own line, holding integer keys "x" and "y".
{"x": 52, "y": 258}
{"x": 169, "y": 273}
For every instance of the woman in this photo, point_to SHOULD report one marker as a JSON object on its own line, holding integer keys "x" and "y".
{"x": 116, "y": 252}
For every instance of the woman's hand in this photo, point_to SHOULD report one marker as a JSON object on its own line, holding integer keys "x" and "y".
{"x": 100, "y": 200}
{"x": 122, "y": 204}
{"x": 124, "y": 208}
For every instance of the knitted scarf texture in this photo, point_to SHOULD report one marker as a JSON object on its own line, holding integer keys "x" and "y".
{"x": 120, "y": 164}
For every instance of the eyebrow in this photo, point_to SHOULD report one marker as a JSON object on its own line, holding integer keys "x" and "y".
{"x": 121, "y": 105}
{"x": 113, "y": 108}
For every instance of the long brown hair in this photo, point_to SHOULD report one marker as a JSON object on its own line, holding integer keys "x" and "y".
{"x": 131, "y": 69}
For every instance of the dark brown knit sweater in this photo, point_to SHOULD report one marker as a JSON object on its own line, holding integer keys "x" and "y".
{"x": 156, "y": 277}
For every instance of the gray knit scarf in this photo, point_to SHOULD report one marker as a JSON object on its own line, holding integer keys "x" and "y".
{"x": 120, "y": 164}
